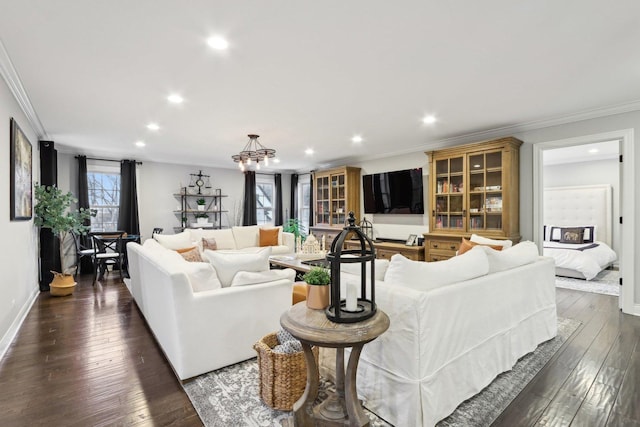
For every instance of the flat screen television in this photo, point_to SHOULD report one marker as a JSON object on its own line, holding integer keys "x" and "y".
{"x": 396, "y": 192}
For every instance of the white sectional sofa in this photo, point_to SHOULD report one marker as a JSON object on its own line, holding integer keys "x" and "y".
{"x": 244, "y": 238}
{"x": 455, "y": 325}
{"x": 200, "y": 323}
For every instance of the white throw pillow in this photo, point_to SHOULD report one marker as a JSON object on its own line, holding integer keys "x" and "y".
{"x": 243, "y": 278}
{"x": 424, "y": 276}
{"x": 175, "y": 241}
{"x": 520, "y": 254}
{"x": 246, "y": 237}
{"x": 224, "y": 237}
{"x": 355, "y": 268}
{"x": 202, "y": 276}
{"x": 227, "y": 264}
{"x": 506, "y": 244}
{"x": 153, "y": 245}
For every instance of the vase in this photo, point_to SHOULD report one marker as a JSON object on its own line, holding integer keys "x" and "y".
{"x": 317, "y": 296}
{"x": 202, "y": 221}
{"x": 62, "y": 284}
{"x": 200, "y": 207}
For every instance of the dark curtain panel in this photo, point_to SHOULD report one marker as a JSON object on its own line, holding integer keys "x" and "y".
{"x": 277, "y": 216}
{"x": 249, "y": 216}
{"x": 311, "y": 200}
{"x": 83, "y": 202}
{"x": 128, "y": 217}
{"x": 294, "y": 191}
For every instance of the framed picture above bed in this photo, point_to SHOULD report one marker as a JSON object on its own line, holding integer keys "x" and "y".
{"x": 21, "y": 202}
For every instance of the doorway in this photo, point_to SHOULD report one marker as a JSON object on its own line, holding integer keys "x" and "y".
{"x": 625, "y": 246}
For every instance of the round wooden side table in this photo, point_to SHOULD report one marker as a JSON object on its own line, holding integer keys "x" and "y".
{"x": 312, "y": 327}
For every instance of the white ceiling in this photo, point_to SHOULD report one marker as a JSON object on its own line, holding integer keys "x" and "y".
{"x": 311, "y": 74}
{"x": 582, "y": 153}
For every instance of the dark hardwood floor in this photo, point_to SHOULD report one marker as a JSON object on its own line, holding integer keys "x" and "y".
{"x": 90, "y": 360}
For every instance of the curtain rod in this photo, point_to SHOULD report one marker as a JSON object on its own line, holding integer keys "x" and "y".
{"x": 108, "y": 160}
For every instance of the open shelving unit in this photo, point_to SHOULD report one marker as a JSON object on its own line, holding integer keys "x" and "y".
{"x": 188, "y": 212}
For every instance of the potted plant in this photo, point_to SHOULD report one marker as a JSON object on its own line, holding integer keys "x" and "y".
{"x": 201, "y": 202}
{"x": 201, "y": 218}
{"x": 293, "y": 225}
{"x": 52, "y": 210}
{"x": 318, "y": 280}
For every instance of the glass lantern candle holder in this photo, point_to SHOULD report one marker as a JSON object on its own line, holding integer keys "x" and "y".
{"x": 352, "y": 308}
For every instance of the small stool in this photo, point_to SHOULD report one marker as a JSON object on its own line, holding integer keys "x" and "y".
{"x": 299, "y": 292}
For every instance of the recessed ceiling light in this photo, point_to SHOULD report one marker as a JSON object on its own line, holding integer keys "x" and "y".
{"x": 429, "y": 119}
{"x": 357, "y": 139}
{"x": 218, "y": 43}
{"x": 308, "y": 151}
{"x": 593, "y": 151}
{"x": 175, "y": 99}
{"x": 276, "y": 160}
{"x": 153, "y": 126}
{"x": 140, "y": 143}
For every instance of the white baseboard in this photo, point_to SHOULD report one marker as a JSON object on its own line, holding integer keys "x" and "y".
{"x": 7, "y": 339}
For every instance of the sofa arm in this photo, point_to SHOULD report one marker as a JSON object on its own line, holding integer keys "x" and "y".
{"x": 289, "y": 240}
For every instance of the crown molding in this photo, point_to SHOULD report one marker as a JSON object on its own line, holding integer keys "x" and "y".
{"x": 10, "y": 75}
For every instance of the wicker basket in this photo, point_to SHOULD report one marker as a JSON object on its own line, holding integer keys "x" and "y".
{"x": 283, "y": 377}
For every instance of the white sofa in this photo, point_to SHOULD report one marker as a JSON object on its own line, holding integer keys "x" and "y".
{"x": 200, "y": 325}
{"x": 246, "y": 238}
{"x": 455, "y": 325}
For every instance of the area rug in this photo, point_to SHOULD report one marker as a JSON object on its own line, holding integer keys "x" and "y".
{"x": 606, "y": 282}
{"x": 230, "y": 397}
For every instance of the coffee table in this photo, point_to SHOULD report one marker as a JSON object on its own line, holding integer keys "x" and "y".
{"x": 291, "y": 261}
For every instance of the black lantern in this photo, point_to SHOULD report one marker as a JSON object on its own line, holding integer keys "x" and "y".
{"x": 367, "y": 228}
{"x": 352, "y": 309}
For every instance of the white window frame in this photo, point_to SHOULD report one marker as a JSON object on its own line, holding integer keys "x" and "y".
{"x": 103, "y": 169}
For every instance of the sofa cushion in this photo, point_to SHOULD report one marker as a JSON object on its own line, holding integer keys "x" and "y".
{"x": 468, "y": 244}
{"x": 227, "y": 264}
{"x": 202, "y": 276}
{"x": 245, "y": 237}
{"x": 280, "y": 231}
{"x": 280, "y": 250}
{"x": 209, "y": 243}
{"x": 424, "y": 276}
{"x": 354, "y": 268}
{"x": 190, "y": 254}
{"x": 243, "y": 278}
{"x": 520, "y": 254}
{"x": 224, "y": 237}
{"x": 175, "y": 241}
{"x": 486, "y": 241}
{"x": 268, "y": 237}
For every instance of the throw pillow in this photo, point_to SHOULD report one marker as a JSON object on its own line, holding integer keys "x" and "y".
{"x": 209, "y": 243}
{"x": 227, "y": 264}
{"x": 190, "y": 254}
{"x": 381, "y": 266}
{"x": 202, "y": 276}
{"x": 269, "y": 236}
{"x": 175, "y": 241}
{"x": 224, "y": 237}
{"x": 245, "y": 237}
{"x": 424, "y": 276}
{"x": 520, "y": 254}
{"x": 243, "y": 278}
{"x": 571, "y": 235}
{"x": 468, "y": 245}
{"x": 506, "y": 244}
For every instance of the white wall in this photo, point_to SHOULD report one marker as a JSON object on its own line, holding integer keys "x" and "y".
{"x": 590, "y": 173}
{"x": 19, "y": 260}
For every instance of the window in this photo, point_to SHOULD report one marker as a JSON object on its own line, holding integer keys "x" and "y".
{"x": 304, "y": 204}
{"x": 264, "y": 202}
{"x": 104, "y": 197}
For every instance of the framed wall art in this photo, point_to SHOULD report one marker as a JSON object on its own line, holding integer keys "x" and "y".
{"x": 20, "y": 174}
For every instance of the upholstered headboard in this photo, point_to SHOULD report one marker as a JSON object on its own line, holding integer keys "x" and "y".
{"x": 578, "y": 206}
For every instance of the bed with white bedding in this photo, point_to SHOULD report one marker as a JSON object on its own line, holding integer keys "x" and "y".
{"x": 577, "y": 229}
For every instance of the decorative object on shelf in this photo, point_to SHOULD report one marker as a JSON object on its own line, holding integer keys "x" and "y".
{"x": 317, "y": 280}
{"x": 201, "y": 204}
{"x": 202, "y": 218}
{"x": 411, "y": 240}
{"x": 352, "y": 309}
{"x": 367, "y": 228}
{"x": 200, "y": 180}
{"x": 253, "y": 152}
